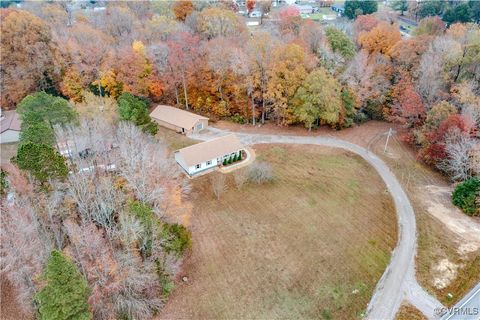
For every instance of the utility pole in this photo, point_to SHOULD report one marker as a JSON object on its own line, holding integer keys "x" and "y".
{"x": 388, "y": 138}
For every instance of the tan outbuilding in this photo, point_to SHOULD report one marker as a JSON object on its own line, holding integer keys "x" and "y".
{"x": 179, "y": 120}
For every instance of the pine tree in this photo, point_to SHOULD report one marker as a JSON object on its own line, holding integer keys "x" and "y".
{"x": 42, "y": 161}
{"x": 66, "y": 292}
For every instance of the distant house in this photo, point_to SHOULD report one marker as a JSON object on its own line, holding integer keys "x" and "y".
{"x": 338, "y": 8}
{"x": 304, "y": 8}
{"x": 179, "y": 120}
{"x": 208, "y": 154}
{"x": 10, "y": 126}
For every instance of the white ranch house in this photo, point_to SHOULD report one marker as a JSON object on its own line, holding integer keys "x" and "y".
{"x": 208, "y": 154}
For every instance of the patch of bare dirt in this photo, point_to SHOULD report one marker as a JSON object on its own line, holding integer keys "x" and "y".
{"x": 444, "y": 272}
{"x": 437, "y": 201}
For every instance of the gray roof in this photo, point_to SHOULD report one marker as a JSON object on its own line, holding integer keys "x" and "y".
{"x": 10, "y": 121}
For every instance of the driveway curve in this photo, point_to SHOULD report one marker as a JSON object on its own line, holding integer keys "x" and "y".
{"x": 398, "y": 281}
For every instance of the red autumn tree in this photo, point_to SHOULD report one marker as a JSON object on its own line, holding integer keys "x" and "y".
{"x": 182, "y": 57}
{"x": 250, "y": 4}
{"x": 365, "y": 23}
{"x": 408, "y": 106}
{"x": 290, "y": 19}
{"x": 434, "y": 150}
{"x": 406, "y": 53}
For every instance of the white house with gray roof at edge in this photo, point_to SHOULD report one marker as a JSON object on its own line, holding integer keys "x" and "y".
{"x": 209, "y": 154}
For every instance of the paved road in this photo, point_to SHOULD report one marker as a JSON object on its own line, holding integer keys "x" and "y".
{"x": 466, "y": 309}
{"x": 398, "y": 281}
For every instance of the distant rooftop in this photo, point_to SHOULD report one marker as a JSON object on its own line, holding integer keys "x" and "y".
{"x": 10, "y": 120}
{"x": 176, "y": 116}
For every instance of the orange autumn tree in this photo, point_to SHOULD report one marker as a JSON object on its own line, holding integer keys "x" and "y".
{"x": 380, "y": 39}
{"x": 28, "y": 56}
{"x": 182, "y": 9}
{"x": 71, "y": 85}
{"x": 365, "y": 23}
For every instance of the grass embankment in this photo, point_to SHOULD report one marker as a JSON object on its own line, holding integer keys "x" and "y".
{"x": 409, "y": 312}
{"x": 7, "y": 151}
{"x": 312, "y": 244}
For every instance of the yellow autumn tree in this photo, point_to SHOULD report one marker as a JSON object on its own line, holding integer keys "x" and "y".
{"x": 71, "y": 85}
{"x": 109, "y": 83}
{"x": 286, "y": 73}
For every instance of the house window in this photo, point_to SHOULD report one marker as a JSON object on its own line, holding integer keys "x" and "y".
{"x": 209, "y": 162}
{"x": 197, "y": 166}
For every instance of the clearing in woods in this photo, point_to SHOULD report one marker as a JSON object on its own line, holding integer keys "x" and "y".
{"x": 312, "y": 244}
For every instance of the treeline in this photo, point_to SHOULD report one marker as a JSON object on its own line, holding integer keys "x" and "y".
{"x": 450, "y": 11}
{"x": 202, "y": 57}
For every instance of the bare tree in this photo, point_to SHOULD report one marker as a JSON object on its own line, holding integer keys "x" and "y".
{"x": 260, "y": 172}
{"x": 240, "y": 177}
{"x": 145, "y": 164}
{"x": 54, "y": 214}
{"x": 138, "y": 294}
{"x": 96, "y": 198}
{"x": 460, "y": 162}
{"x": 95, "y": 258}
{"x": 25, "y": 247}
{"x": 218, "y": 184}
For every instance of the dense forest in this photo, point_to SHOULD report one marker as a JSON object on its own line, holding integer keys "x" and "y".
{"x": 201, "y": 56}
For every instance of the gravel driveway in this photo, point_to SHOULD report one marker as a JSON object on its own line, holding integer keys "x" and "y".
{"x": 398, "y": 282}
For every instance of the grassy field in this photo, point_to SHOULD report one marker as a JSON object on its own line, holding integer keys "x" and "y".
{"x": 435, "y": 241}
{"x": 174, "y": 140}
{"x": 7, "y": 151}
{"x": 312, "y": 244}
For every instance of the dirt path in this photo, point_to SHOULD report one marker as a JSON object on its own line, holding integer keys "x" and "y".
{"x": 398, "y": 281}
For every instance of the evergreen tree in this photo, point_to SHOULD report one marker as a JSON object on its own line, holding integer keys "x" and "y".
{"x": 459, "y": 13}
{"x": 134, "y": 109}
{"x": 42, "y": 106}
{"x": 400, "y": 5}
{"x": 430, "y": 8}
{"x": 42, "y": 161}
{"x": 465, "y": 196}
{"x": 38, "y": 133}
{"x": 348, "y": 100}
{"x": 340, "y": 42}
{"x": 354, "y": 8}
{"x": 66, "y": 292}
